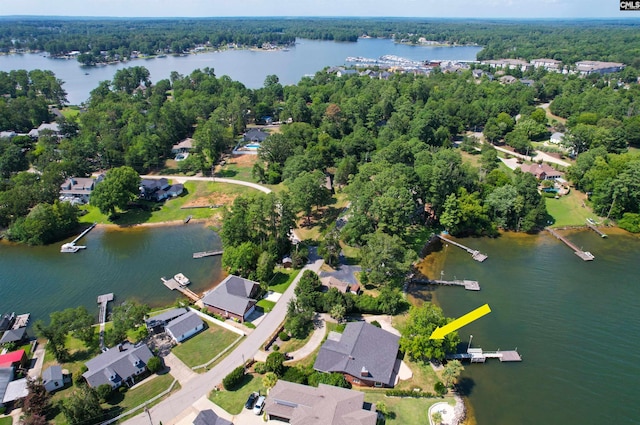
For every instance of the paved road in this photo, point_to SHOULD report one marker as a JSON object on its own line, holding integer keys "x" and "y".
{"x": 539, "y": 155}
{"x": 201, "y": 385}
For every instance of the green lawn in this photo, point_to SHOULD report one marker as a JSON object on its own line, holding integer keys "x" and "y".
{"x": 322, "y": 219}
{"x": 235, "y": 171}
{"x": 209, "y": 192}
{"x": 405, "y": 411}
{"x": 8, "y": 420}
{"x": 282, "y": 280}
{"x": 266, "y": 305}
{"x": 294, "y": 344}
{"x": 204, "y": 346}
{"x": 70, "y": 112}
{"x": 120, "y": 403}
{"x": 568, "y": 210}
{"x": 233, "y": 401}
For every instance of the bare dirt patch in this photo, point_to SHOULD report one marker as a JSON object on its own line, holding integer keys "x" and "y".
{"x": 216, "y": 199}
{"x": 243, "y": 159}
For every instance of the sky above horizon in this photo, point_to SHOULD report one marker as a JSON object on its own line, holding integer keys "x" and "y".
{"x": 561, "y": 9}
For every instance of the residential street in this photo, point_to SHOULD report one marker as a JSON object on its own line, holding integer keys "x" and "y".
{"x": 201, "y": 385}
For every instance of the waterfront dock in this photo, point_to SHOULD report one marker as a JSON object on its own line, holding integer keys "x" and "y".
{"x": 103, "y": 300}
{"x": 174, "y": 285}
{"x": 584, "y": 255}
{"x": 475, "y": 254}
{"x": 469, "y": 285}
{"x": 477, "y": 355}
{"x": 595, "y": 229}
{"x": 71, "y": 246}
{"x": 206, "y": 254}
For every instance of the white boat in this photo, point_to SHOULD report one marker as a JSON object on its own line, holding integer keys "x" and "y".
{"x": 71, "y": 247}
{"x": 182, "y": 279}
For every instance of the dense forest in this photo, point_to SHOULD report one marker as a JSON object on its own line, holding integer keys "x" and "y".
{"x": 567, "y": 41}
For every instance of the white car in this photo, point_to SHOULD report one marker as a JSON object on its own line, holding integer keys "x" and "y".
{"x": 257, "y": 408}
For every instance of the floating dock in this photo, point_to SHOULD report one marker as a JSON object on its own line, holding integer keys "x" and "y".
{"x": 173, "y": 284}
{"x": 477, "y": 355}
{"x": 103, "y": 300}
{"x": 585, "y": 255}
{"x": 71, "y": 246}
{"x": 469, "y": 285}
{"x": 595, "y": 229}
{"x": 475, "y": 254}
{"x": 206, "y": 254}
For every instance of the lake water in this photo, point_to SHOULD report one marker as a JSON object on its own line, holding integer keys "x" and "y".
{"x": 575, "y": 324}
{"x": 247, "y": 66}
{"x": 129, "y": 263}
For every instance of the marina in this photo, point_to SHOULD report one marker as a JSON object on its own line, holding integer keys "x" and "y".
{"x": 475, "y": 254}
{"x": 71, "y": 246}
{"x": 584, "y": 255}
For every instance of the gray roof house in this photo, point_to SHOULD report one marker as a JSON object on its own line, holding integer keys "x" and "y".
{"x": 300, "y": 404}
{"x": 185, "y": 326}
{"x": 52, "y": 378}
{"x": 165, "y": 317}
{"x": 6, "y": 376}
{"x": 53, "y": 127}
{"x": 232, "y": 298}
{"x": 118, "y": 365}
{"x": 365, "y": 354}
{"x": 13, "y": 335}
{"x": 209, "y": 417}
{"x": 184, "y": 146}
{"x": 79, "y": 188}
{"x": 255, "y": 135}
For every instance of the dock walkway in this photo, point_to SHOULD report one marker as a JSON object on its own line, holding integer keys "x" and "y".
{"x": 595, "y": 229}
{"x": 173, "y": 284}
{"x": 475, "y": 254}
{"x": 477, "y": 355}
{"x": 469, "y": 285}
{"x": 585, "y": 255}
{"x": 71, "y": 246}
{"x": 103, "y": 300}
{"x": 206, "y": 254}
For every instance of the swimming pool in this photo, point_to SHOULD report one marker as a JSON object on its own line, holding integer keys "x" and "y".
{"x": 252, "y": 146}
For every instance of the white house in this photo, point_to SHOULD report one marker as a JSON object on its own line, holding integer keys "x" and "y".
{"x": 556, "y": 138}
{"x": 52, "y": 378}
{"x": 184, "y": 326}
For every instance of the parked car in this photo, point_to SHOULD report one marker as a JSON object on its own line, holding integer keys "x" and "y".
{"x": 251, "y": 400}
{"x": 257, "y": 409}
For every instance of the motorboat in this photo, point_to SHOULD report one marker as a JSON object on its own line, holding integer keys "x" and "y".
{"x": 182, "y": 279}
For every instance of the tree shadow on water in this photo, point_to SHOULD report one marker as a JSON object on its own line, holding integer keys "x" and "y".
{"x": 464, "y": 387}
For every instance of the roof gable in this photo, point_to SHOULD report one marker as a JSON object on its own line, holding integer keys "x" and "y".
{"x": 233, "y": 294}
{"x": 184, "y": 324}
{"x": 119, "y": 363}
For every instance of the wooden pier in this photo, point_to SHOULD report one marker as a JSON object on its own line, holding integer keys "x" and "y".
{"x": 469, "y": 285}
{"x": 103, "y": 300}
{"x": 477, "y": 355}
{"x": 173, "y": 284}
{"x": 595, "y": 229}
{"x": 206, "y": 254}
{"x": 585, "y": 255}
{"x": 475, "y": 254}
{"x": 71, "y": 246}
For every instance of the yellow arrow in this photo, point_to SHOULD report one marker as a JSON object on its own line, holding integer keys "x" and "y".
{"x": 440, "y": 333}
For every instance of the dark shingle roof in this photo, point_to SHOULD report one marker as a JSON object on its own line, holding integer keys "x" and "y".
{"x": 209, "y": 417}
{"x": 363, "y": 351}
{"x": 232, "y": 294}
{"x": 13, "y": 335}
{"x": 184, "y": 324}
{"x": 167, "y": 315}
{"x": 119, "y": 361}
{"x": 53, "y": 373}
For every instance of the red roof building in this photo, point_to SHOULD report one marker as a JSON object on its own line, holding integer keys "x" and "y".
{"x": 14, "y": 358}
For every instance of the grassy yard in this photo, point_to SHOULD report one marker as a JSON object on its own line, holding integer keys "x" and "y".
{"x": 321, "y": 219}
{"x": 233, "y": 401}
{"x": 204, "y": 346}
{"x": 151, "y": 387}
{"x": 266, "y": 305}
{"x": 70, "y": 112}
{"x": 196, "y": 194}
{"x": 405, "y": 411}
{"x": 238, "y": 167}
{"x": 282, "y": 280}
{"x": 569, "y": 210}
{"x": 8, "y": 420}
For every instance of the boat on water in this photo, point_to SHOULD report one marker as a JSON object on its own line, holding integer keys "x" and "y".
{"x": 71, "y": 247}
{"x": 181, "y": 279}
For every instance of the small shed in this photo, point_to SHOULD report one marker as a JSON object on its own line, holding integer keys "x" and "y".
{"x": 287, "y": 262}
{"x": 52, "y": 378}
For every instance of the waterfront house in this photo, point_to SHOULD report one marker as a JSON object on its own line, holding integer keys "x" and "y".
{"x": 233, "y": 298}
{"x": 542, "y": 171}
{"x": 255, "y": 135}
{"x": 6, "y": 321}
{"x": 78, "y": 189}
{"x": 184, "y": 326}
{"x": 16, "y": 359}
{"x": 159, "y": 189}
{"x": 118, "y": 365}
{"x": 52, "y": 378}
{"x": 17, "y": 328}
{"x": 365, "y": 354}
{"x": 6, "y": 376}
{"x": 156, "y": 324}
{"x": 299, "y": 404}
{"x": 209, "y": 417}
